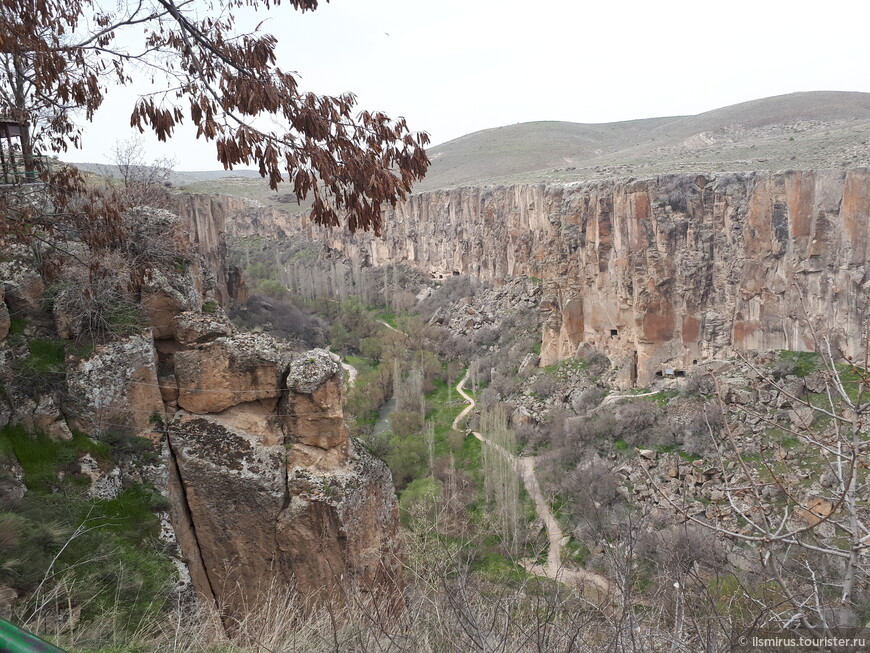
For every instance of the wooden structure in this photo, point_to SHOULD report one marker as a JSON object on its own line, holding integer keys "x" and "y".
{"x": 15, "y": 167}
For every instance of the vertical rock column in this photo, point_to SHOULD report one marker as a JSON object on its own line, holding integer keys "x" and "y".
{"x": 339, "y": 530}
{"x": 272, "y": 493}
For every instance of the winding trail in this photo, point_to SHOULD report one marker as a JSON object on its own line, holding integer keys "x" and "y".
{"x": 525, "y": 465}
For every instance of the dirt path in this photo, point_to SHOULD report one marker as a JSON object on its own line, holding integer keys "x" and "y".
{"x": 391, "y": 328}
{"x": 626, "y": 395}
{"x": 554, "y": 569}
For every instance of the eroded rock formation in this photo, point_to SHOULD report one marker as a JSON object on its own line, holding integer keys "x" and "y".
{"x": 270, "y": 498}
{"x": 267, "y": 491}
{"x": 656, "y": 273}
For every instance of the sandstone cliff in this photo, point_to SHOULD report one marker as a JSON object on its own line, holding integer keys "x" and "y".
{"x": 266, "y": 489}
{"x": 657, "y": 273}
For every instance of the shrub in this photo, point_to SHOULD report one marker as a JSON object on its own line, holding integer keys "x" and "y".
{"x": 587, "y": 399}
{"x": 590, "y": 491}
{"x": 484, "y": 336}
{"x": 378, "y": 444}
{"x": 407, "y": 459}
{"x": 545, "y": 385}
{"x": 696, "y": 438}
{"x": 597, "y": 364}
{"x": 698, "y": 382}
{"x": 42, "y": 371}
{"x": 272, "y": 289}
{"x": 97, "y": 305}
{"x": 404, "y": 423}
{"x": 420, "y": 499}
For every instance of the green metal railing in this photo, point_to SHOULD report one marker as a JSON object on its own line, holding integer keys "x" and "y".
{"x": 15, "y": 640}
{"x": 14, "y": 171}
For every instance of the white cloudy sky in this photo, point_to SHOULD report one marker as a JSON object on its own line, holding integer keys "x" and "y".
{"x": 456, "y": 66}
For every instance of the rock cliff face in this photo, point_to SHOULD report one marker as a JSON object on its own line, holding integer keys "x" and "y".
{"x": 203, "y": 216}
{"x": 265, "y": 486}
{"x": 657, "y": 273}
{"x": 270, "y": 497}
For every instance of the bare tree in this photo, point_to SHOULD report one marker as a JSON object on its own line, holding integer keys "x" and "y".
{"x": 808, "y": 524}
{"x": 501, "y": 480}
{"x": 144, "y": 183}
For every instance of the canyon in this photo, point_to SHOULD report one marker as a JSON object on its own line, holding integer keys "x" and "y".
{"x": 659, "y": 274}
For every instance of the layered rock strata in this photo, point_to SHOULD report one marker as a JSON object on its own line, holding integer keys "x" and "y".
{"x": 657, "y": 273}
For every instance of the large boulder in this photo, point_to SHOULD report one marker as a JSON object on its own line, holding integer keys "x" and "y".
{"x": 116, "y": 386}
{"x": 312, "y": 407}
{"x": 339, "y": 530}
{"x": 24, "y": 289}
{"x": 230, "y": 371}
{"x": 168, "y": 294}
{"x": 191, "y": 327}
{"x": 270, "y": 505}
{"x": 12, "y": 488}
{"x": 234, "y": 488}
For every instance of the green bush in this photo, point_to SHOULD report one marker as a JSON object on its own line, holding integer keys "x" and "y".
{"x": 272, "y": 289}
{"x": 100, "y": 556}
{"x": 43, "y": 370}
{"x": 407, "y": 460}
{"x": 420, "y": 498}
{"x": 405, "y": 423}
{"x": 41, "y": 457}
{"x": 210, "y": 307}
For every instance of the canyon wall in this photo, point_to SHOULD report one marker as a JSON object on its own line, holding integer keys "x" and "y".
{"x": 204, "y": 218}
{"x": 657, "y": 273}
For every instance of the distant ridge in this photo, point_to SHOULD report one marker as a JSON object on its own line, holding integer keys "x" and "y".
{"x": 827, "y": 129}
{"x": 177, "y": 177}
{"x": 820, "y": 129}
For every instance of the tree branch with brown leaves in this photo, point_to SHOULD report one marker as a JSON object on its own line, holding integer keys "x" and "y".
{"x": 227, "y": 84}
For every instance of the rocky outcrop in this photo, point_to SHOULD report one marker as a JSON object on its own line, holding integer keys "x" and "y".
{"x": 165, "y": 296}
{"x": 266, "y": 490}
{"x": 230, "y": 371}
{"x": 23, "y": 287}
{"x": 116, "y": 387}
{"x": 312, "y": 409}
{"x": 205, "y": 219}
{"x": 267, "y": 497}
{"x": 656, "y": 273}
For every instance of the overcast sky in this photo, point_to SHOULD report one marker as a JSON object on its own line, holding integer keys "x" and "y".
{"x": 452, "y": 67}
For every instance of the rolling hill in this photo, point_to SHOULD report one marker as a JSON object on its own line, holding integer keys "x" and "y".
{"x": 800, "y": 130}
{"x": 823, "y": 129}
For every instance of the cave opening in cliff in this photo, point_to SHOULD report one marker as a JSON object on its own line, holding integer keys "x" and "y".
{"x": 680, "y": 374}
{"x": 614, "y": 333}
{"x": 659, "y": 374}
